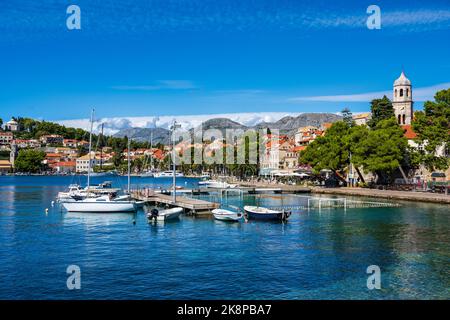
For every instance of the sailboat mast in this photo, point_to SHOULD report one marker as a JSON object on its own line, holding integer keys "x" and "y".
{"x": 101, "y": 150}
{"x": 151, "y": 150}
{"x": 129, "y": 165}
{"x": 90, "y": 150}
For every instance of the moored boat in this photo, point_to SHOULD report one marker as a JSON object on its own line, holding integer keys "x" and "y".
{"x": 261, "y": 213}
{"x": 101, "y": 204}
{"x": 227, "y": 215}
{"x": 216, "y": 184}
{"x": 168, "y": 174}
{"x": 163, "y": 215}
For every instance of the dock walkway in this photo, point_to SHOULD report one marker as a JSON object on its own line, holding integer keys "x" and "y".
{"x": 189, "y": 204}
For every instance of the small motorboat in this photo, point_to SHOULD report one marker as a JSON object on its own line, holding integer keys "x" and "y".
{"x": 261, "y": 213}
{"x": 227, "y": 215}
{"x": 163, "y": 215}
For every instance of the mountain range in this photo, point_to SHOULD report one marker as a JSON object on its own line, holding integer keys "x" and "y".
{"x": 287, "y": 125}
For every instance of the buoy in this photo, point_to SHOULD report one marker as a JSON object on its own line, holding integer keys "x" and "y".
{"x": 53, "y": 203}
{"x": 46, "y": 210}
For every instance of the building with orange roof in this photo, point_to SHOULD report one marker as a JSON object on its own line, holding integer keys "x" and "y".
{"x": 306, "y": 135}
{"x": 409, "y": 132}
{"x": 64, "y": 166}
{"x": 326, "y": 125}
{"x": 362, "y": 118}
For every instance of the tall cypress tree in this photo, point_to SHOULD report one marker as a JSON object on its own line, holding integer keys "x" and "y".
{"x": 381, "y": 109}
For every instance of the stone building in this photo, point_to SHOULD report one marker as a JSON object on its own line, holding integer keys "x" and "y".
{"x": 402, "y": 100}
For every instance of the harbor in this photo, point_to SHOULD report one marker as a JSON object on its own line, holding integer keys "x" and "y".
{"x": 122, "y": 256}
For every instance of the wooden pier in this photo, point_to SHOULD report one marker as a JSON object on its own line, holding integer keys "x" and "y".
{"x": 188, "y": 204}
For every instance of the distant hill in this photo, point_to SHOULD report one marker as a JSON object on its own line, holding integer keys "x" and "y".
{"x": 220, "y": 124}
{"x": 287, "y": 125}
{"x": 160, "y": 135}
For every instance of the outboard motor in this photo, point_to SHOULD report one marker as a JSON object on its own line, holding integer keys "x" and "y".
{"x": 153, "y": 214}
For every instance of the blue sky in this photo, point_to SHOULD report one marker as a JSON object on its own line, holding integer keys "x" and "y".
{"x": 187, "y": 57}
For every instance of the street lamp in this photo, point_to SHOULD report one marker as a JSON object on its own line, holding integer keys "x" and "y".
{"x": 174, "y": 127}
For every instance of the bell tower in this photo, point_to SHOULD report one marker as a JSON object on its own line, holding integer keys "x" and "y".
{"x": 402, "y": 102}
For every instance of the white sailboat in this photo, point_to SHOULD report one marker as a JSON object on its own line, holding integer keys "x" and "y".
{"x": 102, "y": 204}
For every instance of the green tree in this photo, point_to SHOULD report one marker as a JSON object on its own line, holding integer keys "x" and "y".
{"x": 381, "y": 110}
{"x": 331, "y": 151}
{"x": 382, "y": 150}
{"x": 1, "y": 122}
{"x": 432, "y": 126}
{"x": 347, "y": 117}
{"x": 29, "y": 161}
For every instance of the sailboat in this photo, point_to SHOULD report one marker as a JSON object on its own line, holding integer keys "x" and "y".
{"x": 102, "y": 204}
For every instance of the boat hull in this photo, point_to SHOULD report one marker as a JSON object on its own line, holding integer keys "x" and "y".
{"x": 227, "y": 215}
{"x": 164, "y": 215}
{"x": 100, "y": 207}
{"x": 258, "y": 213}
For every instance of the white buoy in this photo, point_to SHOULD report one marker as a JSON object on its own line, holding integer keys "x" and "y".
{"x": 53, "y": 203}
{"x": 46, "y": 210}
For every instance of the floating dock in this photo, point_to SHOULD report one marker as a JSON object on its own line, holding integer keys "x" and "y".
{"x": 190, "y": 205}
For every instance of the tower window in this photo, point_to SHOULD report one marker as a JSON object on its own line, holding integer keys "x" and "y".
{"x": 395, "y": 94}
{"x": 401, "y": 92}
{"x": 399, "y": 119}
{"x": 403, "y": 119}
{"x": 407, "y": 92}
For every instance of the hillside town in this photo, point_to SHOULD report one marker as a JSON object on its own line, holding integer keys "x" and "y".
{"x": 63, "y": 155}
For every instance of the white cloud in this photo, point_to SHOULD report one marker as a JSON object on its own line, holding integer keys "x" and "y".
{"x": 160, "y": 85}
{"x": 419, "y": 94}
{"x": 113, "y": 125}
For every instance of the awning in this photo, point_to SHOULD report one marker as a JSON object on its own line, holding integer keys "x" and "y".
{"x": 438, "y": 175}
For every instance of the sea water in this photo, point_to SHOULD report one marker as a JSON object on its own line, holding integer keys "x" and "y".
{"x": 315, "y": 255}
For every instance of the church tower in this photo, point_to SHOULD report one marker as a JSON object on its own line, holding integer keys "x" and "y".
{"x": 402, "y": 102}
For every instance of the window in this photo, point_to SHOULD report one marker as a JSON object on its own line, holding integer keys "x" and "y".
{"x": 399, "y": 119}
{"x": 395, "y": 94}
{"x": 404, "y": 119}
{"x": 401, "y": 92}
{"x": 407, "y": 92}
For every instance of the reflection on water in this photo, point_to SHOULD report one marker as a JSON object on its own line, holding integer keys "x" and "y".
{"x": 99, "y": 218}
{"x": 316, "y": 255}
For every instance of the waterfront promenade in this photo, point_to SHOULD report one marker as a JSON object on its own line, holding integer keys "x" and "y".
{"x": 282, "y": 187}
{"x": 387, "y": 194}
{"x": 362, "y": 192}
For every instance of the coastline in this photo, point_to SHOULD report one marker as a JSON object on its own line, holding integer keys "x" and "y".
{"x": 386, "y": 194}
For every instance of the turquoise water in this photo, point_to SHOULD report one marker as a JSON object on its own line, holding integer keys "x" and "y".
{"x": 316, "y": 255}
